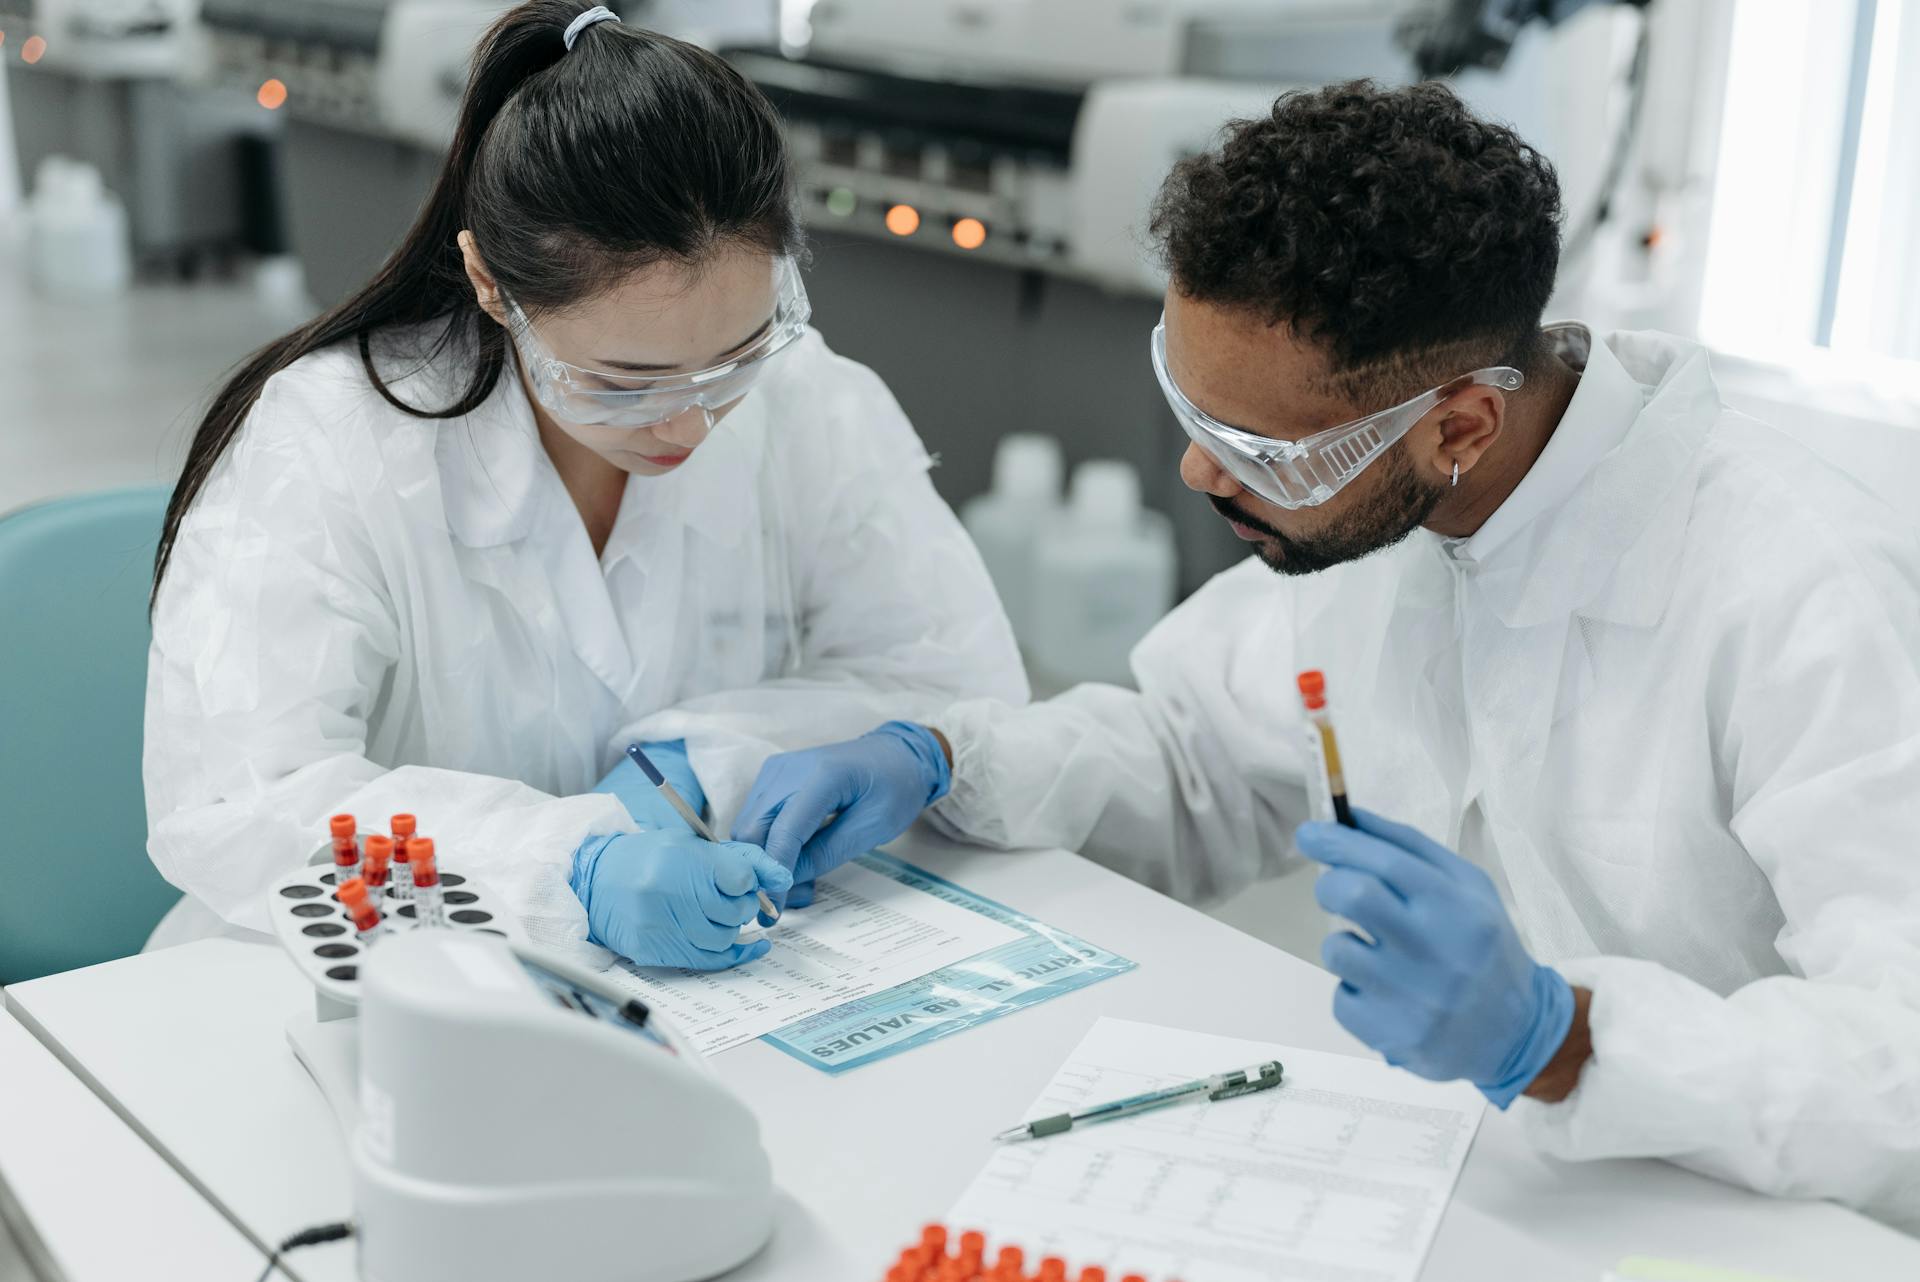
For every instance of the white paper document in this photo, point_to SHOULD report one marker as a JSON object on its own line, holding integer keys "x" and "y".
{"x": 864, "y": 932}
{"x": 1339, "y": 1174}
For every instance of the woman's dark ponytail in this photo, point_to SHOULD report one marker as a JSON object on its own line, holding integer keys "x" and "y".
{"x": 571, "y": 169}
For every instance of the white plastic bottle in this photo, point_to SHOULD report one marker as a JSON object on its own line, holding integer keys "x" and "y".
{"x": 77, "y": 244}
{"x": 1006, "y": 523}
{"x": 1103, "y": 576}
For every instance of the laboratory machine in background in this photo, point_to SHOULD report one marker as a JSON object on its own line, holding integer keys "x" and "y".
{"x": 975, "y": 173}
{"x": 978, "y": 175}
{"x": 370, "y": 91}
{"x": 121, "y": 87}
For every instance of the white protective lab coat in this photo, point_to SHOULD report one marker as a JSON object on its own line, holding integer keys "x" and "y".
{"x": 1669, "y": 696}
{"x": 372, "y": 613}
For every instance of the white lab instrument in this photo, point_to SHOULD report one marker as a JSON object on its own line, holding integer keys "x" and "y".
{"x": 1006, "y": 522}
{"x": 1103, "y": 576}
{"x": 1054, "y": 178}
{"x": 410, "y": 590}
{"x": 374, "y": 89}
{"x": 1047, "y": 125}
{"x": 121, "y": 85}
{"x": 1667, "y": 696}
{"x": 1128, "y": 138}
{"x": 519, "y": 1119}
{"x": 416, "y": 52}
{"x": 77, "y": 245}
{"x": 418, "y": 59}
{"x": 1035, "y": 133}
{"x": 1078, "y": 42}
{"x": 1081, "y": 41}
{"x": 511, "y": 1116}
{"x": 467, "y": 1165}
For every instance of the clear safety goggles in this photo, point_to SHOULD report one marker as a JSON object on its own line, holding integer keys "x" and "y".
{"x": 609, "y": 398}
{"x": 1311, "y": 470}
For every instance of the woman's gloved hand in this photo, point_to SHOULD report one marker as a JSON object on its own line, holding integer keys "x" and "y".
{"x": 669, "y": 898}
{"x": 1444, "y": 988}
{"x": 642, "y": 800}
{"x": 876, "y": 785}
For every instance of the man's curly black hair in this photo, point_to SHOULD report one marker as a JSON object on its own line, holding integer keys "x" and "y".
{"x": 1409, "y": 238}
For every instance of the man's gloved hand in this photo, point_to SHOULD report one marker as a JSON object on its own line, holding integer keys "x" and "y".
{"x": 669, "y": 898}
{"x": 1445, "y": 988}
{"x": 642, "y": 800}
{"x": 877, "y": 785}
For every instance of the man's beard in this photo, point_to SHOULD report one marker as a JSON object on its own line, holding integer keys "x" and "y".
{"x": 1400, "y": 507}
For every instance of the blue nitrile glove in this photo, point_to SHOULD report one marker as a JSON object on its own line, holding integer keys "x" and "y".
{"x": 1445, "y": 989}
{"x": 669, "y": 898}
{"x": 877, "y": 784}
{"x": 642, "y": 800}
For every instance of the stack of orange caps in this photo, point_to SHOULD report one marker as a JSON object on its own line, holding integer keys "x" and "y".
{"x": 933, "y": 1260}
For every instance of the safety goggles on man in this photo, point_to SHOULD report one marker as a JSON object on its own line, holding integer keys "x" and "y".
{"x": 1311, "y": 470}
{"x": 610, "y": 398}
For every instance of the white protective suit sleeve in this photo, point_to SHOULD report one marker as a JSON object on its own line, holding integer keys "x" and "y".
{"x": 1805, "y": 1084}
{"x": 1181, "y": 785}
{"x": 272, "y": 639}
{"x": 897, "y": 615}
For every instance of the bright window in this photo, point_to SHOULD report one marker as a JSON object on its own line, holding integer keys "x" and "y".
{"x": 1814, "y": 251}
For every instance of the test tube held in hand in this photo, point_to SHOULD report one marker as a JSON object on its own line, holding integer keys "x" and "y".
{"x": 1323, "y": 745}
{"x": 402, "y": 887}
{"x": 430, "y": 907}
{"x": 346, "y": 848}
{"x": 366, "y": 918}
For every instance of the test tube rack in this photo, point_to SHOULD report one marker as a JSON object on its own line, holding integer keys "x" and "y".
{"x": 319, "y": 936}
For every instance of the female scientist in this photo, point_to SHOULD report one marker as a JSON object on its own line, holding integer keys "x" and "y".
{"x": 448, "y": 548}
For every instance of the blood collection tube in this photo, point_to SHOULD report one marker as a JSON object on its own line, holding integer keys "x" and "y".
{"x": 366, "y": 918}
{"x": 430, "y": 908}
{"x": 1325, "y": 748}
{"x": 1093, "y": 1273}
{"x": 402, "y": 887}
{"x": 374, "y": 869}
{"x": 346, "y": 848}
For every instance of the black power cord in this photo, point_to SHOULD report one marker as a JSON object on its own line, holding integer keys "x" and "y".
{"x": 1446, "y": 37}
{"x": 307, "y": 1237}
{"x": 1450, "y": 36}
{"x": 1583, "y": 233}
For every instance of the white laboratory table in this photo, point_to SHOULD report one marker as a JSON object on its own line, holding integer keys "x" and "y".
{"x": 188, "y": 1045}
{"x": 95, "y": 1198}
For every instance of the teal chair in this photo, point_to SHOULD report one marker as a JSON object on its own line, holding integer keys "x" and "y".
{"x": 75, "y": 883}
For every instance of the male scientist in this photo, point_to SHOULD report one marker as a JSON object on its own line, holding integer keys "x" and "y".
{"x": 1636, "y": 677}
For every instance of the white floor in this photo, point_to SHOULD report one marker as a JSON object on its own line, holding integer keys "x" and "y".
{"x": 107, "y": 394}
